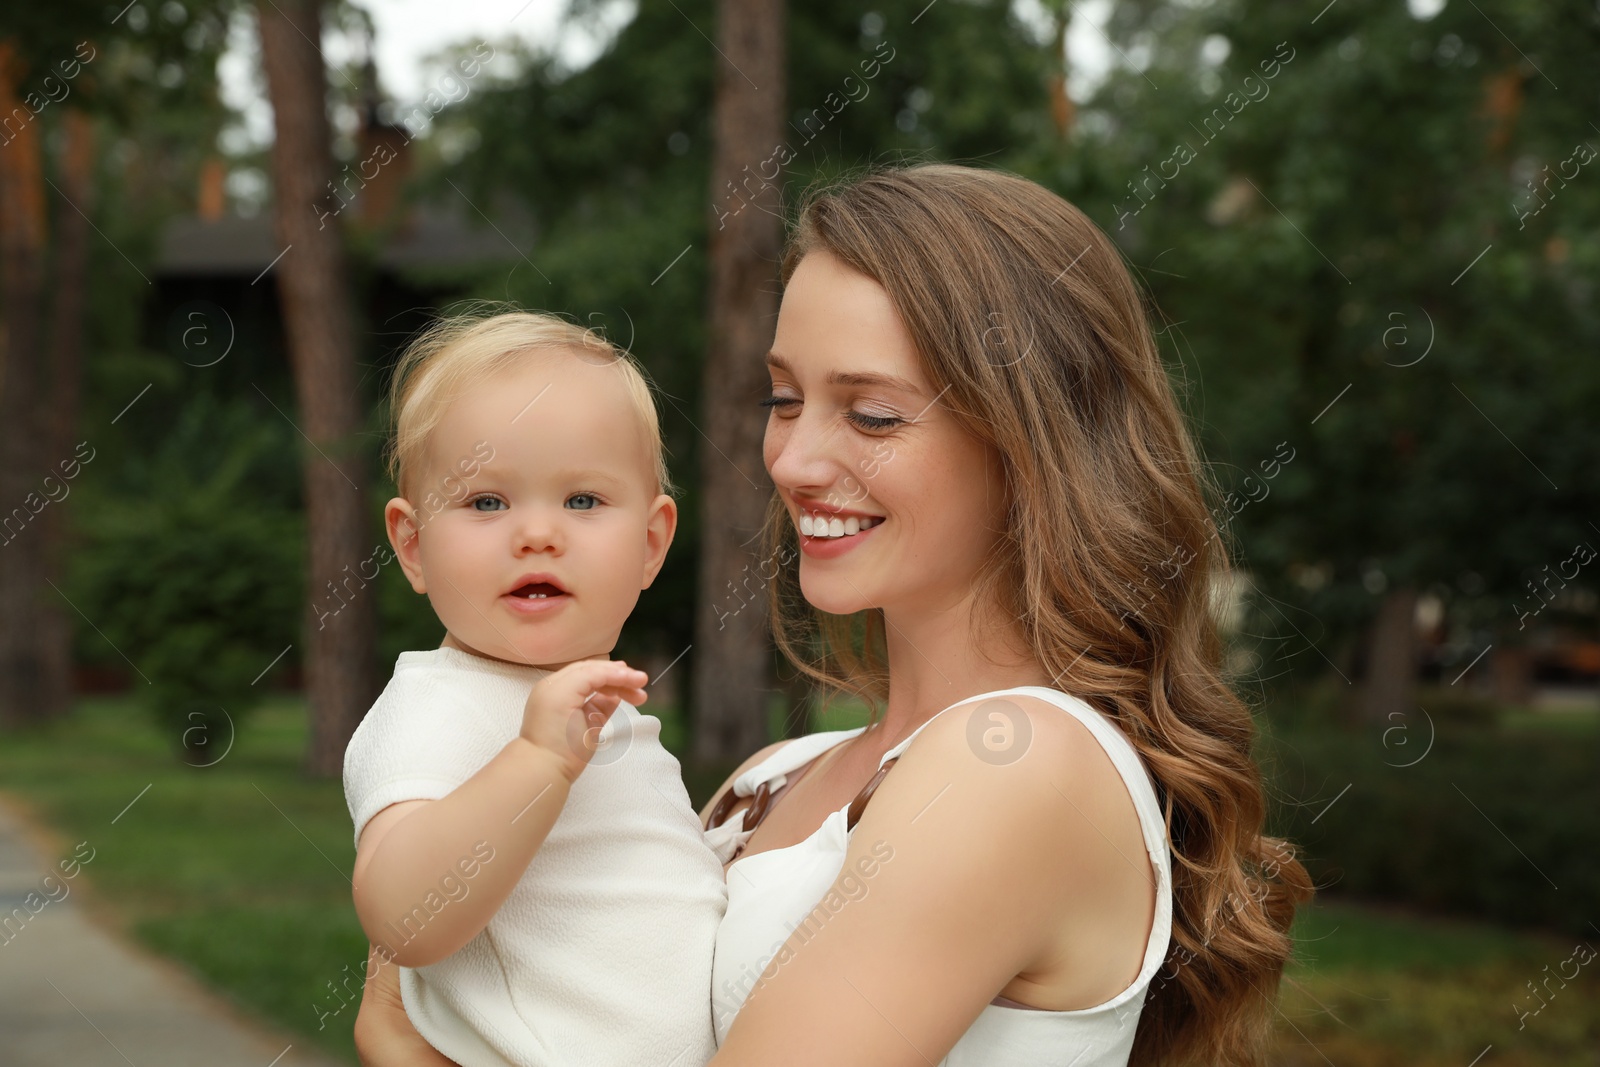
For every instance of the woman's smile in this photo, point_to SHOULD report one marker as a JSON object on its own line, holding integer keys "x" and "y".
{"x": 824, "y": 535}
{"x": 820, "y": 526}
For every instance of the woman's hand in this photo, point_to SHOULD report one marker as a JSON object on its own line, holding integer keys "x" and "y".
{"x": 384, "y": 1035}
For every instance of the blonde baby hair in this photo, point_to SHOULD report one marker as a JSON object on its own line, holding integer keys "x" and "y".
{"x": 460, "y": 350}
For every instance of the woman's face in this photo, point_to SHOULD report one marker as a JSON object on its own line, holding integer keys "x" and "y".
{"x": 857, "y": 434}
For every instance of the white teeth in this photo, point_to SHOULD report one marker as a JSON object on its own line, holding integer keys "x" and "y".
{"x": 818, "y": 526}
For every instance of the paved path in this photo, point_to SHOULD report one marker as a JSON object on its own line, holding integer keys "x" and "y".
{"x": 73, "y": 993}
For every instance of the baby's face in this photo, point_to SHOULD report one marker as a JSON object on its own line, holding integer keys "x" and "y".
{"x": 568, "y": 496}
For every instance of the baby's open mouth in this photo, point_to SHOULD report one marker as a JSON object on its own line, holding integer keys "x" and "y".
{"x": 537, "y": 591}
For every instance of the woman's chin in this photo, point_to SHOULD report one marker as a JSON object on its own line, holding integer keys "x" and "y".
{"x": 835, "y": 594}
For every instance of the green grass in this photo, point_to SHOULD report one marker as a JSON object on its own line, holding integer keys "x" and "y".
{"x": 1575, "y": 722}
{"x": 1379, "y": 987}
{"x": 239, "y": 871}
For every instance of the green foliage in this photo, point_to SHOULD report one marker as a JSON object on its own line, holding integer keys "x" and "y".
{"x": 147, "y": 70}
{"x": 1490, "y": 822}
{"x": 1317, "y": 244}
{"x": 1315, "y": 240}
{"x": 194, "y": 573}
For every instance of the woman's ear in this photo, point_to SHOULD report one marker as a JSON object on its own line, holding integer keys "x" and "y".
{"x": 405, "y": 534}
{"x": 658, "y": 531}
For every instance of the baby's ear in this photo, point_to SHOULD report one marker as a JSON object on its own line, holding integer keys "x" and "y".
{"x": 400, "y": 519}
{"x": 659, "y": 530}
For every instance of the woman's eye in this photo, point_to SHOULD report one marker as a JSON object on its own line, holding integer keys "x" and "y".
{"x": 594, "y": 501}
{"x": 873, "y": 422}
{"x": 861, "y": 419}
{"x": 476, "y": 501}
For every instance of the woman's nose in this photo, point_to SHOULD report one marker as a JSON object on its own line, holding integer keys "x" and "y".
{"x": 801, "y": 452}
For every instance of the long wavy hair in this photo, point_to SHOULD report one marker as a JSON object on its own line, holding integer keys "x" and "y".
{"x": 1024, "y": 310}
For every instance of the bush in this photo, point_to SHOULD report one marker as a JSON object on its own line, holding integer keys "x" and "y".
{"x": 1489, "y": 822}
{"x": 197, "y": 578}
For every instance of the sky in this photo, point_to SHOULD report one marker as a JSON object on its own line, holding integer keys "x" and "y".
{"x": 407, "y": 35}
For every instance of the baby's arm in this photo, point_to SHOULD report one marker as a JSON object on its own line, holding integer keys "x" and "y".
{"x": 510, "y": 804}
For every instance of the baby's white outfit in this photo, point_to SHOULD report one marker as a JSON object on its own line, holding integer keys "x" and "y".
{"x": 601, "y": 956}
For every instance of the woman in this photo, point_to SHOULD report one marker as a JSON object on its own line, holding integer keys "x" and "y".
{"x": 997, "y": 504}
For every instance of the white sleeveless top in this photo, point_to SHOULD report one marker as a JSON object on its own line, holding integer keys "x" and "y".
{"x": 770, "y": 894}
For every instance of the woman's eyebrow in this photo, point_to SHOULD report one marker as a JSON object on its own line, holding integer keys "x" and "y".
{"x": 862, "y": 378}
{"x": 852, "y": 377}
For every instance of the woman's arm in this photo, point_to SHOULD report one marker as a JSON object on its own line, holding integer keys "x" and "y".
{"x": 384, "y": 1035}
{"x": 959, "y": 877}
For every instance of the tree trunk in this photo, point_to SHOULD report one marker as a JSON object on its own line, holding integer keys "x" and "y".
{"x": 731, "y": 656}
{"x": 313, "y": 289}
{"x": 1511, "y": 673}
{"x": 70, "y": 285}
{"x": 1062, "y": 109}
{"x": 1391, "y": 657}
{"x": 1502, "y": 103}
{"x": 24, "y": 667}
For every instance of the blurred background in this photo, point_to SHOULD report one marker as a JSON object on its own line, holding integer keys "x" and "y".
{"x": 1368, "y": 230}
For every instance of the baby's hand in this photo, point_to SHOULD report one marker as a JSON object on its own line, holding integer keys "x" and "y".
{"x": 566, "y": 710}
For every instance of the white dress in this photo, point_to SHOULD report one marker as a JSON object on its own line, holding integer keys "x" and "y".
{"x": 770, "y": 893}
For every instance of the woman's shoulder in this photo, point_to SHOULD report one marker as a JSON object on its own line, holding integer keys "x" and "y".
{"x": 1022, "y": 757}
{"x": 1008, "y": 806}
{"x": 1037, "y": 731}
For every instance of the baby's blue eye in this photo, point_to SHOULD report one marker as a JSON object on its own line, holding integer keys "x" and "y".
{"x": 594, "y": 501}
{"x": 487, "y": 500}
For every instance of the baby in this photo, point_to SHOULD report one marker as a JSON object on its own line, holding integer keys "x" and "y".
{"x": 525, "y": 848}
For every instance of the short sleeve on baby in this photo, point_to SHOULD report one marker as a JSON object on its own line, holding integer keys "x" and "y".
{"x": 429, "y": 731}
